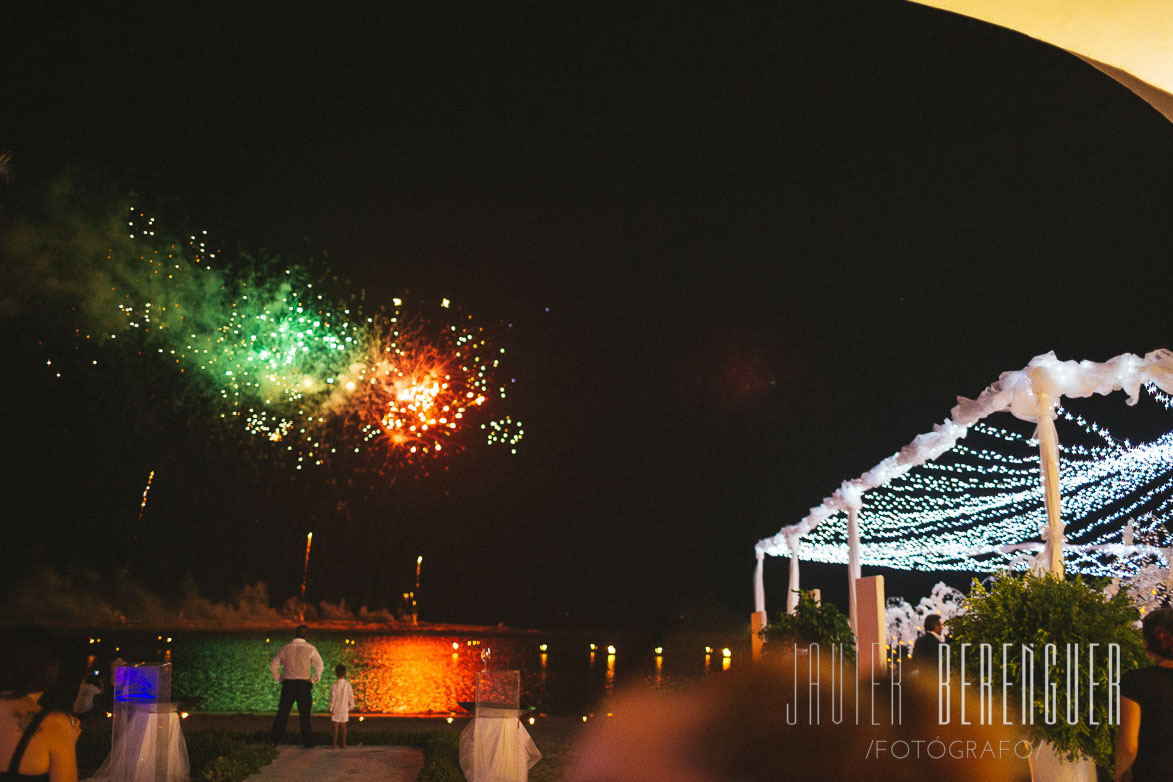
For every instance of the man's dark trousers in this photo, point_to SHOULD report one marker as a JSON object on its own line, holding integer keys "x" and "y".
{"x": 300, "y": 691}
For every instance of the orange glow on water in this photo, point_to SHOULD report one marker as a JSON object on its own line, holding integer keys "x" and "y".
{"x": 411, "y": 675}
{"x": 422, "y": 674}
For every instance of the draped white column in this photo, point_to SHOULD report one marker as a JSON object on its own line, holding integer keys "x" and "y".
{"x": 1049, "y": 469}
{"x": 759, "y": 588}
{"x": 853, "y": 570}
{"x": 794, "y": 543}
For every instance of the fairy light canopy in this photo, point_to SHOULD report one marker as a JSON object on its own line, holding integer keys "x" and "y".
{"x": 943, "y": 504}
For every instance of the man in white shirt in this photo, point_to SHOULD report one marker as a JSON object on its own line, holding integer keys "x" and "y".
{"x": 298, "y": 667}
{"x": 90, "y": 686}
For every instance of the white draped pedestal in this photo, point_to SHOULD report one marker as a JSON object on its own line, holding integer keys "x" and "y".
{"x": 496, "y": 747}
{"x": 149, "y": 749}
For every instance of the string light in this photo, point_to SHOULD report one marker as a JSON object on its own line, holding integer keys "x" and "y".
{"x": 979, "y": 507}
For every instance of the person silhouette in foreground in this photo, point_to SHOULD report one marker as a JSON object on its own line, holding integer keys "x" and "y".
{"x": 928, "y": 646}
{"x": 753, "y": 724}
{"x": 298, "y": 667}
{"x": 1146, "y": 706}
{"x": 36, "y": 743}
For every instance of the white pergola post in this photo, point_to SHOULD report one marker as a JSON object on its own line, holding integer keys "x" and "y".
{"x": 853, "y": 571}
{"x": 757, "y": 620}
{"x": 759, "y": 587}
{"x": 1127, "y": 539}
{"x": 1049, "y": 469}
{"x": 793, "y": 542}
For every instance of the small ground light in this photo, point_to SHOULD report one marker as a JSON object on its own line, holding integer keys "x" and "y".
{"x": 168, "y": 639}
{"x": 594, "y": 647}
{"x": 584, "y": 718}
{"x": 659, "y": 650}
{"x": 183, "y": 715}
{"x": 455, "y": 646}
{"x": 726, "y": 653}
{"x": 360, "y": 719}
{"x": 449, "y": 720}
{"x": 542, "y": 648}
{"x": 610, "y": 650}
{"x": 531, "y": 720}
{"x": 708, "y": 650}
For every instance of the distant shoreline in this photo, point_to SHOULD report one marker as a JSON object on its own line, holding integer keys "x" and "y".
{"x": 340, "y": 626}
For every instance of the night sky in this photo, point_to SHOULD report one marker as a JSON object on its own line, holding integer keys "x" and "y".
{"x": 738, "y": 253}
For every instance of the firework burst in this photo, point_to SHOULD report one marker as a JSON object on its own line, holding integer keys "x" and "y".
{"x": 298, "y": 370}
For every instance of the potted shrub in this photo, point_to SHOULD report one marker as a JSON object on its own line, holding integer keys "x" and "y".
{"x": 811, "y": 623}
{"x": 1034, "y": 611}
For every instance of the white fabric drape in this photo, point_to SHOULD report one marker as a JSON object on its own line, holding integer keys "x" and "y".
{"x": 759, "y": 587}
{"x": 150, "y": 748}
{"x": 1049, "y": 468}
{"x": 497, "y": 749}
{"x": 1014, "y": 392}
{"x": 794, "y": 543}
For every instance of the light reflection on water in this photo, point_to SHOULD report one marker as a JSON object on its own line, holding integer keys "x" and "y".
{"x": 425, "y": 673}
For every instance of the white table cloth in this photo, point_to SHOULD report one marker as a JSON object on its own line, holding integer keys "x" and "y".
{"x": 150, "y": 748}
{"x": 497, "y": 748}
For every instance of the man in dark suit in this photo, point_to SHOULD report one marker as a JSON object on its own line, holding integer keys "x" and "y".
{"x": 926, "y": 648}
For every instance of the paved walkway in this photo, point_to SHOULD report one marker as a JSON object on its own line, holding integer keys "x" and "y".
{"x": 354, "y": 764}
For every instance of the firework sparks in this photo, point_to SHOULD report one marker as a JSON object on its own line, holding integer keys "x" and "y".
{"x": 308, "y": 374}
{"x": 415, "y": 394}
{"x": 147, "y": 490}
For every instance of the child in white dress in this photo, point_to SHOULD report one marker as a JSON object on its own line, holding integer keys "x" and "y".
{"x": 341, "y": 702}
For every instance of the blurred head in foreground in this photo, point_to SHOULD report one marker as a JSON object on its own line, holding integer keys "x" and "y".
{"x": 735, "y": 727}
{"x": 1157, "y": 631}
{"x": 32, "y": 660}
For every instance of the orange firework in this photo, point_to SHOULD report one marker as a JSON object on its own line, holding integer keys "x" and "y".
{"x": 142, "y": 508}
{"x": 414, "y": 394}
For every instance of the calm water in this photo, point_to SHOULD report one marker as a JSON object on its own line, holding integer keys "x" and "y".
{"x": 426, "y": 673}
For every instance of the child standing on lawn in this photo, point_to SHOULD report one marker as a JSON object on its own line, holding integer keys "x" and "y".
{"x": 341, "y": 702}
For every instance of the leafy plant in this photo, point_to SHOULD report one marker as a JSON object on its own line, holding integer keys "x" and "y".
{"x": 1034, "y": 611}
{"x": 240, "y": 763}
{"x": 442, "y": 758}
{"x": 811, "y": 623}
